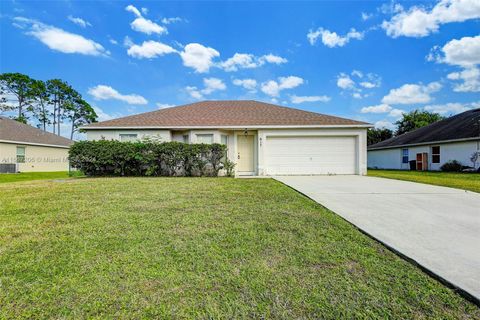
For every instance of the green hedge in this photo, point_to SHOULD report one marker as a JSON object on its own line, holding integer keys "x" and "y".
{"x": 115, "y": 158}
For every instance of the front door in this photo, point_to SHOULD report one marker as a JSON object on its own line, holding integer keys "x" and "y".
{"x": 245, "y": 154}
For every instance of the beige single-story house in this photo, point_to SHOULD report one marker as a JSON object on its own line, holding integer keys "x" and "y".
{"x": 262, "y": 138}
{"x": 429, "y": 147}
{"x": 24, "y": 148}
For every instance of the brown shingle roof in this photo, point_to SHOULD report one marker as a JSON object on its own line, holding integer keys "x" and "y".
{"x": 225, "y": 113}
{"x": 11, "y": 130}
{"x": 465, "y": 125}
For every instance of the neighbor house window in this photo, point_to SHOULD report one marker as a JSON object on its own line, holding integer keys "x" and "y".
{"x": 128, "y": 137}
{"x": 20, "y": 154}
{"x": 436, "y": 154}
{"x": 185, "y": 138}
{"x": 205, "y": 138}
{"x": 224, "y": 139}
{"x": 404, "y": 155}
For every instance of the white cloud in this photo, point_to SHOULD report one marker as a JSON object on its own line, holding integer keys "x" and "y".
{"x": 194, "y": 92}
{"x": 396, "y": 113}
{"x": 102, "y": 115}
{"x": 273, "y": 88}
{"x": 210, "y": 85}
{"x": 113, "y": 41}
{"x": 345, "y": 82}
{"x": 366, "y": 16}
{"x": 171, "y": 20}
{"x": 271, "y": 58}
{"x": 249, "y": 84}
{"x": 147, "y": 26}
{"x": 149, "y": 49}
{"x": 470, "y": 80}
{"x": 411, "y": 94}
{"x": 301, "y": 99}
{"x": 79, "y": 21}
{"x": 250, "y": 61}
{"x": 213, "y": 84}
{"x": 368, "y": 84}
{"x": 357, "y": 95}
{"x": 357, "y": 73}
{"x": 103, "y": 92}
{"x": 127, "y": 42}
{"x": 384, "y": 124}
{"x": 60, "y": 40}
{"x": 464, "y": 52}
{"x": 370, "y": 81}
{"x": 133, "y": 10}
{"x": 419, "y": 21}
{"x": 145, "y": 11}
{"x": 381, "y": 108}
{"x": 198, "y": 57}
{"x": 240, "y": 61}
{"x": 452, "y": 108}
{"x": 144, "y": 25}
{"x": 332, "y": 39}
{"x": 164, "y": 105}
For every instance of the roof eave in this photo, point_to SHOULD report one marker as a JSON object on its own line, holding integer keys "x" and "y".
{"x": 424, "y": 143}
{"x": 367, "y": 125}
{"x": 35, "y": 144}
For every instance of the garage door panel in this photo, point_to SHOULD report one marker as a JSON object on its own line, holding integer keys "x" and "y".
{"x": 311, "y": 155}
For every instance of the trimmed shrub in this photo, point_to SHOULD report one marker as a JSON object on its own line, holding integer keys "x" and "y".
{"x": 147, "y": 158}
{"x": 452, "y": 166}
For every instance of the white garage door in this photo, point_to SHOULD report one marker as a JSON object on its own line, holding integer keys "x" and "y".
{"x": 311, "y": 155}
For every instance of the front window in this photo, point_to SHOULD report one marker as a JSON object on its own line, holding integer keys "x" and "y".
{"x": 205, "y": 138}
{"x": 125, "y": 137}
{"x": 20, "y": 154}
{"x": 436, "y": 154}
{"x": 185, "y": 138}
{"x": 404, "y": 155}
{"x": 225, "y": 139}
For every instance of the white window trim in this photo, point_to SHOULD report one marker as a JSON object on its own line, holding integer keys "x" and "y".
{"x": 204, "y": 135}
{"x": 131, "y": 136}
{"x": 21, "y": 155}
{"x": 405, "y": 155}
{"x": 439, "y": 154}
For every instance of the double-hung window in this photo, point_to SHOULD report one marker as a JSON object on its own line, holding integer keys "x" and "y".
{"x": 124, "y": 137}
{"x": 205, "y": 138}
{"x": 224, "y": 139}
{"x": 20, "y": 154}
{"x": 404, "y": 155}
{"x": 436, "y": 154}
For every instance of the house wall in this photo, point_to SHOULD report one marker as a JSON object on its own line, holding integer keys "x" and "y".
{"x": 392, "y": 158}
{"x": 37, "y": 158}
{"x": 163, "y": 135}
{"x": 260, "y": 138}
{"x": 359, "y": 133}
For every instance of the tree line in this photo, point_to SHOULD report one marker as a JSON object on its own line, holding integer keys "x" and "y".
{"x": 410, "y": 121}
{"x": 50, "y": 102}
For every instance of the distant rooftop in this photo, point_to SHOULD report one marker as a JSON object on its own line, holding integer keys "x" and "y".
{"x": 461, "y": 126}
{"x": 14, "y": 131}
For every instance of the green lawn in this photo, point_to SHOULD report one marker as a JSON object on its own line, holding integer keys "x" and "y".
{"x": 198, "y": 248}
{"x": 465, "y": 181}
{"x": 27, "y": 176}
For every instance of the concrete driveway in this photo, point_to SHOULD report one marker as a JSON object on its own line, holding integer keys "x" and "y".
{"x": 437, "y": 227}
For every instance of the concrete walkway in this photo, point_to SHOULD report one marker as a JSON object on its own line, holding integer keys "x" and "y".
{"x": 437, "y": 227}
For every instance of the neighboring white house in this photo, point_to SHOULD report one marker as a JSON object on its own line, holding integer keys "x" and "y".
{"x": 262, "y": 138}
{"x": 455, "y": 138}
{"x": 28, "y": 149}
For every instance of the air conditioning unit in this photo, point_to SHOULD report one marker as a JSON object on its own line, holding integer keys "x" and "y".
{"x": 8, "y": 168}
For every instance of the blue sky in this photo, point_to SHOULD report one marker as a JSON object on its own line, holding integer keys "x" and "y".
{"x": 362, "y": 60}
